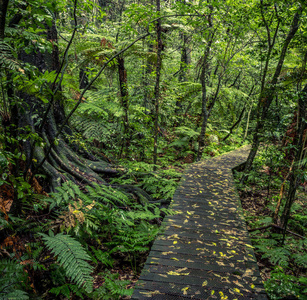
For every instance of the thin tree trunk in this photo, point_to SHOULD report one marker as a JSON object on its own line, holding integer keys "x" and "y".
{"x": 184, "y": 61}
{"x": 204, "y": 98}
{"x": 240, "y": 117}
{"x": 157, "y": 85}
{"x": 124, "y": 101}
{"x": 247, "y": 122}
{"x": 296, "y": 173}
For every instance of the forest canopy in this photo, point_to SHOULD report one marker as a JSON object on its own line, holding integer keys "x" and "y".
{"x": 102, "y": 106}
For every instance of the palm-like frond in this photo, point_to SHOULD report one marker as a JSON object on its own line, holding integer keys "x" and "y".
{"x": 71, "y": 255}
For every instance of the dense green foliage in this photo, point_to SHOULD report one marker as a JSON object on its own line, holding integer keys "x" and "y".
{"x": 93, "y": 92}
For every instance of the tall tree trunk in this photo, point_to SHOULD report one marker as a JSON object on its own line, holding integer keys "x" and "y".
{"x": 157, "y": 85}
{"x": 122, "y": 73}
{"x": 62, "y": 162}
{"x": 184, "y": 62}
{"x": 298, "y": 166}
{"x": 204, "y": 98}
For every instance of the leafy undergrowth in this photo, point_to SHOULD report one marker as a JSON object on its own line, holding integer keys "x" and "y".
{"x": 282, "y": 265}
{"x": 88, "y": 243}
{"x": 85, "y": 243}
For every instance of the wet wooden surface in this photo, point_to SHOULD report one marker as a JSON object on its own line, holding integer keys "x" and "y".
{"x": 204, "y": 251}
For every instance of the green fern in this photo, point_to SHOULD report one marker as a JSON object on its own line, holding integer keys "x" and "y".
{"x": 112, "y": 288}
{"x": 12, "y": 278}
{"x": 7, "y": 57}
{"x": 17, "y": 294}
{"x": 71, "y": 255}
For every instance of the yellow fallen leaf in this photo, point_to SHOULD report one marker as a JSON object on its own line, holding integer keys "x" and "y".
{"x": 177, "y": 226}
{"x": 176, "y": 273}
{"x": 204, "y": 283}
{"x": 166, "y": 253}
{"x": 185, "y": 290}
{"x": 174, "y": 258}
{"x": 180, "y": 270}
{"x": 252, "y": 286}
{"x": 174, "y": 242}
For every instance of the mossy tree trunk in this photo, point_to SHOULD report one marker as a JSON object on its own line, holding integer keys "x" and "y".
{"x": 64, "y": 160}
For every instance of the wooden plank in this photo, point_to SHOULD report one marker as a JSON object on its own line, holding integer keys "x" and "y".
{"x": 208, "y": 249}
{"x": 151, "y": 289}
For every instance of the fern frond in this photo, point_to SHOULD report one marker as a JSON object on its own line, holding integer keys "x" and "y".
{"x": 11, "y": 278}
{"x": 7, "y": 57}
{"x": 17, "y": 294}
{"x": 71, "y": 255}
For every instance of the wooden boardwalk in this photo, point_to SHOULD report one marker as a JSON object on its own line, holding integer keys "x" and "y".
{"x": 204, "y": 251}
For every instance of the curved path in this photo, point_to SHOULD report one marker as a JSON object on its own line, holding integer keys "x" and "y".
{"x": 204, "y": 251}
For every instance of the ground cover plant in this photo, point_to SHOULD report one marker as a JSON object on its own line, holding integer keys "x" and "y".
{"x": 102, "y": 106}
{"x": 281, "y": 254}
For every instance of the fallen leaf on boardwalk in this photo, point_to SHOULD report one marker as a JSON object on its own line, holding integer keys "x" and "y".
{"x": 204, "y": 283}
{"x": 176, "y": 273}
{"x": 177, "y": 226}
{"x": 185, "y": 290}
{"x": 150, "y": 294}
{"x": 248, "y": 272}
{"x": 180, "y": 270}
{"x": 174, "y": 258}
{"x": 237, "y": 291}
{"x": 166, "y": 253}
{"x": 238, "y": 284}
{"x": 223, "y": 297}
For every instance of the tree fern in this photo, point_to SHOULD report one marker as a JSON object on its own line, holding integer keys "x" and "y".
{"x": 71, "y": 255}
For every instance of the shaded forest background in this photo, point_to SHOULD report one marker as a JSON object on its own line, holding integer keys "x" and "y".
{"x": 102, "y": 106}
